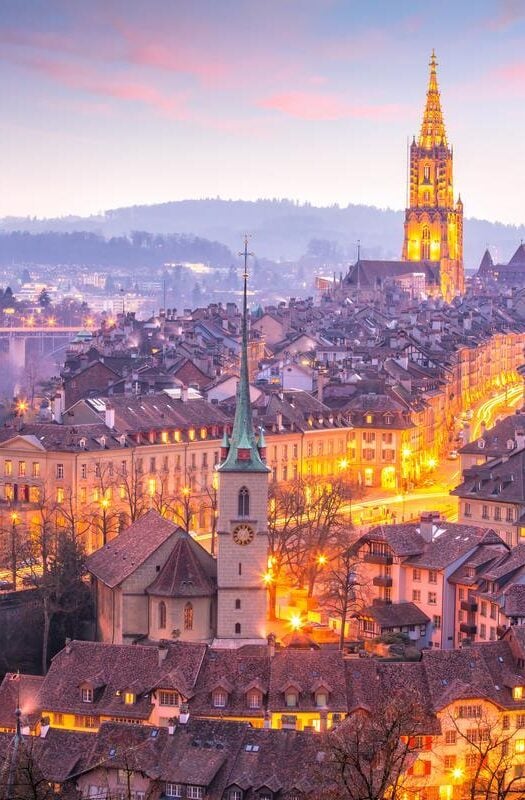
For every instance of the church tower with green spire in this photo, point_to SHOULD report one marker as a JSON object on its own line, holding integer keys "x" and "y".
{"x": 242, "y": 525}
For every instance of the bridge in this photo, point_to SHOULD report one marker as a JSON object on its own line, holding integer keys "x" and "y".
{"x": 18, "y": 341}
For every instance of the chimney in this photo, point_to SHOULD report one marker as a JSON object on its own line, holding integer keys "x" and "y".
{"x": 172, "y": 722}
{"x": 271, "y": 644}
{"x": 44, "y": 727}
{"x": 184, "y": 714}
{"x": 184, "y": 394}
{"x": 279, "y": 416}
{"x": 68, "y": 645}
{"x": 426, "y": 524}
{"x": 57, "y": 407}
{"x": 320, "y": 386}
{"x": 520, "y": 438}
{"x": 109, "y": 416}
{"x": 162, "y": 651}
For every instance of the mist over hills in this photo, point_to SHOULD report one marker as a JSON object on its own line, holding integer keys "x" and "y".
{"x": 280, "y": 229}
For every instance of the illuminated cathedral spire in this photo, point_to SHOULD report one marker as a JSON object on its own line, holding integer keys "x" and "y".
{"x": 433, "y": 133}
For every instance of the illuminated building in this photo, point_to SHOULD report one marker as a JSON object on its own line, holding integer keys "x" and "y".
{"x": 433, "y": 221}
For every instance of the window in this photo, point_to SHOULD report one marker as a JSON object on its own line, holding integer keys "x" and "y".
{"x": 472, "y": 760}
{"x": 219, "y": 698}
{"x": 369, "y": 418}
{"x": 450, "y": 736}
{"x": 168, "y": 698}
{"x": 83, "y": 495}
{"x": 237, "y": 627}
{"x": 517, "y": 693}
{"x": 520, "y": 721}
{"x": 83, "y": 470}
{"x": 321, "y": 699}
{"x": 483, "y": 608}
{"x": 505, "y": 722}
{"x": 188, "y": 617}
{"x": 86, "y": 694}
{"x": 425, "y": 244}
{"x": 244, "y": 502}
{"x": 482, "y": 631}
{"x": 34, "y": 494}
{"x": 510, "y": 514}
{"x": 235, "y": 794}
{"x": 416, "y": 596}
{"x": 493, "y": 611}
{"x": 35, "y": 471}
{"x": 436, "y": 621}
{"x": 152, "y": 464}
{"x": 290, "y": 699}
{"x": 426, "y": 179}
{"x": 21, "y": 469}
{"x": 195, "y": 792}
{"x": 58, "y": 719}
{"x": 432, "y": 598}
{"x": 173, "y": 790}
{"x": 432, "y": 576}
{"x": 469, "y": 712}
{"x": 254, "y": 699}
{"x": 59, "y": 471}
{"x": 60, "y": 495}
{"x": 8, "y": 467}
{"x": 468, "y": 510}
{"x": 129, "y": 698}
{"x": 237, "y": 604}
{"x": 519, "y": 746}
{"x": 497, "y": 513}
{"x": 461, "y": 594}
{"x": 416, "y": 575}
{"x": 88, "y": 722}
{"x": 450, "y": 762}
{"x": 485, "y": 512}
{"x": 162, "y": 615}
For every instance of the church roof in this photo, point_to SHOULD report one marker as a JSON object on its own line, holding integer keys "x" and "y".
{"x": 188, "y": 572}
{"x": 519, "y": 257}
{"x": 120, "y": 557}
{"x": 486, "y": 261}
{"x": 366, "y": 274}
{"x": 433, "y": 132}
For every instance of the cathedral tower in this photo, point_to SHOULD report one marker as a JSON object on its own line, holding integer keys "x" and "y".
{"x": 242, "y": 525}
{"x": 433, "y": 222}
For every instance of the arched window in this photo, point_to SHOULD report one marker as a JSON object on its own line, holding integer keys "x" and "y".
{"x": 237, "y": 604}
{"x": 425, "y": 244}
{"x": 244, "y": 502}
{"x": 237, "y": 627}
{"x": 162, "y": 615}
{"x": 188, "y": 617}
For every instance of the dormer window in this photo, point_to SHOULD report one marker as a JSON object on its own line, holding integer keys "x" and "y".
{"x": 86, "y": 694}
{"x": 168, "y": 698}
{"x": 253, "y": 699}
{"x": 129, "y": 698}
{"x": 388, "y": 419}
{"x": 219, "y": 698}
{"x": 517, "y": 693}
{"x": 321, "y": 698}
{"x": 290, "y": 698}
{"x": 369, "y": 418}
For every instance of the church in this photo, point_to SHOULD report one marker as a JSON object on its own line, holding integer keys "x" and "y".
{"x": 155, "y": 581}
{"x": 432, "y": 257}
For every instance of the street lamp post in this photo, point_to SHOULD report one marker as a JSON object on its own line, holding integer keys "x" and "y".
{"x": 14, "y": 520}
{"x": 104, "y": 504}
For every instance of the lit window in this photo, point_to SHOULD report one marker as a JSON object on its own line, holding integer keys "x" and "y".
{"x": 204, "y": 433}
{"x": 517, "y": 693}
{"x": 129, "y": 698}
{"x": 254, "y": 699}
{"x": 188, "y": 617}
{"x": 519, "y": 746}
{"x": 21, "y": 469}
{"x": 164, "y": 437}
{"x": 290, "y": 699}
{"x": 60, "y": 495}
{"x": 191, "y": 434}
{"x": 34, "y": 494}
{"x": 168, "y": 698}
{"x": 36, "y": 469}
{"x": 8, "y": 467}
{"x": 152, "y": 486}
{"x": 369, "y": 418}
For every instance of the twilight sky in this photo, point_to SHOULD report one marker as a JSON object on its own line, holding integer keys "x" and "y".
{"x": 109, "y": 103}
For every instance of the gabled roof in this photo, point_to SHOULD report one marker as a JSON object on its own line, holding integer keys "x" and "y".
{"x": 120, "y": 557}
{"x": 190, "y": 571}
{"x": 518, "y": 259}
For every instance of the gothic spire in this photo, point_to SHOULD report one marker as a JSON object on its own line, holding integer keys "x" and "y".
{"x": 243, "y": 453}
{"x": 433, "y": 132}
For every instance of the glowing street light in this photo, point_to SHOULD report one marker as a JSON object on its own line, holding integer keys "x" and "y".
{"x": 343, "y": 464}
{"x": 322, "y": 560}
{"x": 267, "y": 578}
{"x": 406, "y": 452}
{"x": 296, "y": 622}
{"x": 186, "y": 491}
{"x": 457, "y": 773}
{"x": 432, "y": 463}
{"x": 51, "y": 321}
{"x": 21, "y": 407}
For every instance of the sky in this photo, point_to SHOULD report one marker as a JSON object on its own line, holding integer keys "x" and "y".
{"x": 110, "y": 103}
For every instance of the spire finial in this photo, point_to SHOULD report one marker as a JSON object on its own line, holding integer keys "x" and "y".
{"x": 433, "y": 132}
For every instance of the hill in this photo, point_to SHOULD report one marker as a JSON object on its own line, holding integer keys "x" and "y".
{"x": 281, "y": 229}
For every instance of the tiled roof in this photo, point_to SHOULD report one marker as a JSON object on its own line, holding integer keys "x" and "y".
{"x": 307, "y": 670}
{"x": 450, "y": 542}
{"x": 514, "y": 601}
{"x": 190, "y": 571}
{"x": 237, "y": 668}
{"x": 120, "y": 557}
{"x": 393, "y": 615}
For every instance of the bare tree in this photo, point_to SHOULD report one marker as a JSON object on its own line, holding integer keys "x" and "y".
{"x": 284, "y": 516}
{"x": 372, "y": 751}
{"x": 343, "y": 589}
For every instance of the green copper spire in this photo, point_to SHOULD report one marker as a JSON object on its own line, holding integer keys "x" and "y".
{"x": 243, "y": 454}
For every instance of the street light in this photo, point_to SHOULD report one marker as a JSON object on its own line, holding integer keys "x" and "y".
{"x": 296, "y": 622}
{"x": 14, "y": 520}
{"x": 104, "y": 504}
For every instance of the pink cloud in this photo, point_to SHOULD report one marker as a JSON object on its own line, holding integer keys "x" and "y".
{"x": 87, "y": 80}
{"x": 329, "y": 107}
{"x": 510, "y": 13}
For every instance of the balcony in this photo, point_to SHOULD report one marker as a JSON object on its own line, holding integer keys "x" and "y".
{"x": 469, "y": 605}
{"x": 469, "y": 628}
{"x": 378, "y": 558}
{"x": 382, "y": 580}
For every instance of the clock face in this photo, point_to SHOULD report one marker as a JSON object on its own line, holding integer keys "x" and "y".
{"x": 243, "y": 534}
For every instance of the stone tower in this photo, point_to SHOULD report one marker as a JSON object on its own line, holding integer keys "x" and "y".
{"x": 433, "y": 221}
{"x": 242, "y": 527}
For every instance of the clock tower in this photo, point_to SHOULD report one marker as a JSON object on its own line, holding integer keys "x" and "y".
{"x": 242, "y": 525}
